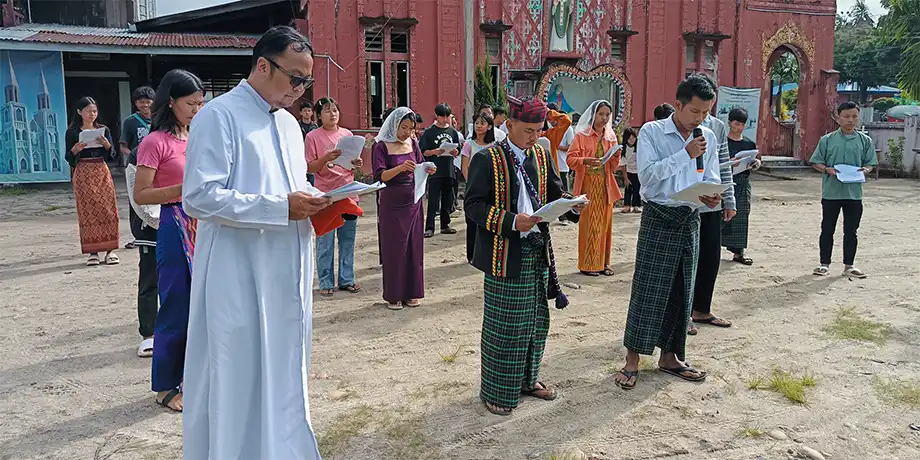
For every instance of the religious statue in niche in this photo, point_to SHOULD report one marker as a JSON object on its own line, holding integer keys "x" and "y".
{"x": 561, "y": 32}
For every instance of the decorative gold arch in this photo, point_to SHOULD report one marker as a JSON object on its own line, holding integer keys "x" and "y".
{"x": 622, "y": 115}
{"x": 788, "y": 34}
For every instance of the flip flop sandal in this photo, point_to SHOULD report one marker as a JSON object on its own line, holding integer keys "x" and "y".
{"x": 395, "y": 306}
{"x": 414, "y": 303}
{"x": 533, "y": 392}
{"x": 712, "y": 322}
{"x": 169, "y": 397}
{"x": 679, "y": 372}
{"x": 92, "y": 261}
{"x": 608, "y": 272}
{"x": 352, "y": 288}
{"x": 590, "y": 273}
{"x": 821, "y": 271}
{"x": 503, "y": 411}
{"x": 743, "y": 260}
{"x": 145, "y": 349}
{"x": 448, "y": 231}
{"x": 112, "y": 259}
{"x": 854, "y": 272}
{"x": 428, "y": 233}
{"x": 628, "y": 374}
{"x": 326, "y": 292}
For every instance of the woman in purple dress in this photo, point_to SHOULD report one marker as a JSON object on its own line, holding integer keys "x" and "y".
{"x": 401, "y": 225}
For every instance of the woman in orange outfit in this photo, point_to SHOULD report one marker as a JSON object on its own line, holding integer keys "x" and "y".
{"x": 594, "y": 137}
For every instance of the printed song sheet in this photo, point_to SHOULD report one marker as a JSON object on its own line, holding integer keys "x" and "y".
{"x": 421, "y": 178}
{"x": 551, "y": 211}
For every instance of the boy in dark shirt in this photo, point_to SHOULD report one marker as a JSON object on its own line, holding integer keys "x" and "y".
{"x": 133, "y": 131}
{"x": 735, "y": 231}
{"x": 440, "y": 185}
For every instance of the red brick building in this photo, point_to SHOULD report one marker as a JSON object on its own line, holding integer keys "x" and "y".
{"x": 411, "y": 52}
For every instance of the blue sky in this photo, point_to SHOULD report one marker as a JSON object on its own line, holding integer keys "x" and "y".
{"x": 165, "y": 7}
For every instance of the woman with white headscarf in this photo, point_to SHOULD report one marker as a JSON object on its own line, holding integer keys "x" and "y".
{"x": 594, "y": 137}
{"x": 401, "y": 224}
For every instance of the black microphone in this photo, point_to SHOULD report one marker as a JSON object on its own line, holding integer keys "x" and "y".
{"x": 697, "y": 132}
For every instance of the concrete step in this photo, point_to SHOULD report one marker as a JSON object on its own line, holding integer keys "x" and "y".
{"x": 781, "y": 161}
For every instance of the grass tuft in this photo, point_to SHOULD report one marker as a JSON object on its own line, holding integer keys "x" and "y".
{"x": 751, "y": 432}
{"x": 53, "y": 208}
{"x": 848, "y": 325}
{"x": 15, "y": 191}
{"x": 898, "y": 393}
{"x": 450, "y": 358}
{"x": 345, "y": 427}
{"x": 785, "y": 383}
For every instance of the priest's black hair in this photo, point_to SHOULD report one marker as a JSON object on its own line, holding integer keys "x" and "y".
{"x": 277, "y": 40}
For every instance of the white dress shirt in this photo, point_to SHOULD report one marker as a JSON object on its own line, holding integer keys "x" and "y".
{"x": 525, "y": 205}
{"x": 666, "y": 168}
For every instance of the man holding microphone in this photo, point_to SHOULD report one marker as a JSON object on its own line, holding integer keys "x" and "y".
{"x": 669, "y": 159}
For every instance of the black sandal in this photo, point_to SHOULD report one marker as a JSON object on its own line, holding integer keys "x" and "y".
{"x": 497, "y": 410}
{"x": 629, "y": 375}
{"x": 590, "y": 273}
{"x": 679, "y": 372}
{"x": 169, "y": 397}
{"x": 533, "y": 392}
{"x": 608, "y": 272}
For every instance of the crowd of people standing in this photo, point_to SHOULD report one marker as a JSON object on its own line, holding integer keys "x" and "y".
{"x": 243, "y": 181}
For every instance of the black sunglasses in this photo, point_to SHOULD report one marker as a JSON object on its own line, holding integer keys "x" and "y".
{"x": 296, "y": 80}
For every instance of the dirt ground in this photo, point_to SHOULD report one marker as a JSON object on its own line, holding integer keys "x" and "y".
{"x": 404, "y": 385}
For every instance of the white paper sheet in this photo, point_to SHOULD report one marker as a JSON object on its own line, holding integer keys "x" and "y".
{"x": 90, "y": 137}
{"x": 693, "y": 193}
{"x": 551, "y": 211}
{"x": 353, "y": 189}
{"x": 421, "y": 178}
{"x": 744, "y": 159}
{"x": 351, "y": 147}
{"x": 849, "y": 174}
{"x": 609, "y": 154}
{"x": 447, "y": 147}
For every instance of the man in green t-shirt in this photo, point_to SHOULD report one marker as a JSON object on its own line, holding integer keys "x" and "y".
{"x": 844, "y": 146}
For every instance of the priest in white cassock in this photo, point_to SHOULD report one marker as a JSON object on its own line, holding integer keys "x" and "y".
{"x": 250, "y": 319}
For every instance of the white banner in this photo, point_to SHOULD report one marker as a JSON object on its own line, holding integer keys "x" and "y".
{"x": 745, "y": 98}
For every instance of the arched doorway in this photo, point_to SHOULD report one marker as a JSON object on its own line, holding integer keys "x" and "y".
{"x": 781, "y": 118}
{"x": 572, "y": 90}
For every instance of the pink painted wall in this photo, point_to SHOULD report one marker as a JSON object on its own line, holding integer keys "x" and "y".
{"x": 655, "y": 56}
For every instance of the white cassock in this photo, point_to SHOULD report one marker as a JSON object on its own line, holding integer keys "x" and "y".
{"x": 250, "y": 316}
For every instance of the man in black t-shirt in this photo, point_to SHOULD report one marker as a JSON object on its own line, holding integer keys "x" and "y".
{"x": 735, "y": 231}
{"x": 133, "y": 131}
{"x": 440, "y": 185}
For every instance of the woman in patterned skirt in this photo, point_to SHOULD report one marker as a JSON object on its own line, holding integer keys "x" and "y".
{"x": 594, "y": 138}
{"x": 93, "y": 189}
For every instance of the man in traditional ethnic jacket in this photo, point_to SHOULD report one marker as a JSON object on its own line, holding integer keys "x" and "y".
{"x": 506, "y": 184}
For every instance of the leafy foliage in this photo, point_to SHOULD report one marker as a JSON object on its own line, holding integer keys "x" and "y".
{"x": 790, "y": 99}
{"x": 484, "y": 92}
{"x": 861, "y": 54}
{"x": 883, "y": 104}
{"x": 900, "y": 29}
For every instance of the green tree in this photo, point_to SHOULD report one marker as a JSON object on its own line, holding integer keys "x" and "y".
{"x": 484, "y": 92}
{"x": 900, "y": 29}
{"x": 883, "y": 104}
{"x": 861, "y": 55}
{"x": 790, "y": 99}
{"x": 785, "y": 70}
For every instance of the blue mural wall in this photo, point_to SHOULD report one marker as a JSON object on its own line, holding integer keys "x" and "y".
{"x": 33, "y": 117}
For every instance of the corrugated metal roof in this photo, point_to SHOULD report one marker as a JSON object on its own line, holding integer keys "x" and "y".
{"x": 63, "y": 34}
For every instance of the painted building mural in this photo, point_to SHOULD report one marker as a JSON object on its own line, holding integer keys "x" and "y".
{"x": 33, "y": 118}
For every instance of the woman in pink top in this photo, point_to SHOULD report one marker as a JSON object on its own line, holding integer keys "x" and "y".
{"x": 160, "y": 167}
{"x": 321, "y": 152}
